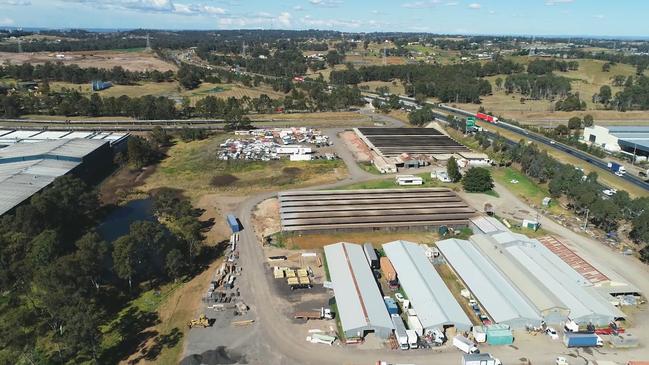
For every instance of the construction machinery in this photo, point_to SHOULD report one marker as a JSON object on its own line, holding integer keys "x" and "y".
{"x": 202, "y": 321}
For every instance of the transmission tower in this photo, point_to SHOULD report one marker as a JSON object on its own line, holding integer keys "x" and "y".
{"x": 20, "y": 46}
{"x": 148, "y": 42}
{"x": 244, "y": 49}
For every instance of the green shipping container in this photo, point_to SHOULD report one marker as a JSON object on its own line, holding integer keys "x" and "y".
{"x": 499, "y": 336}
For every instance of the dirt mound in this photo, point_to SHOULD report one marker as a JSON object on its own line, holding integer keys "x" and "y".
{"x": 291, "y": 171}
{"x": 223, "y": 180}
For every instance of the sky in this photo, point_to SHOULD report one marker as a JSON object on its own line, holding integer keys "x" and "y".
{"x": 518, "y": 17}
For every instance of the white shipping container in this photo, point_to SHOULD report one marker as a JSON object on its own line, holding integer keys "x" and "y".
{"x": 300, "y": 157}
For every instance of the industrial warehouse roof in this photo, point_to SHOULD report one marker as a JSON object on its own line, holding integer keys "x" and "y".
{"x": 12, "y": 136}
{"x": 499, "y": 297}
{"x": 25, "y": 169}
{"x": 547, "y": 280}
{"x": 359, "y": 301}
{"x": 631, "y": 136}
{"x": 392, "y": 142}
{"x": 488, "y": 225}
{"x": 375, "y": 208}
{"x": 429, "y": 295}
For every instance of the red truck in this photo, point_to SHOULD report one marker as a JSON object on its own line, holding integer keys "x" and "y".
{"x": 487, "y": 118}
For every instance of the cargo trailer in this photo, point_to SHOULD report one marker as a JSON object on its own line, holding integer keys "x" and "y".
{"x": 400, "y": 332}
{"x": 572, "y": 339}
{"x": 233, "y": 222}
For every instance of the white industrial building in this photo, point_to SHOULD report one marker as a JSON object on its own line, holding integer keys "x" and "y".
{"x": 27, "y": 168}
{"x": 360, "y": 305}
{"x": 13, "y": 136}
{"x": 630, "y": 139}
{"x": 430, "y": 297}
{"x": 556, "y": 289}
{"x": 498, "y": 296}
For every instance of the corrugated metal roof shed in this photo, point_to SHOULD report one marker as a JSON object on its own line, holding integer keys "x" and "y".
{"x": 548, "y": 281}
{"x": 360, "y": 304}
{"x": 551, "y": 307}
{"x": 503, "y": 302}
{"x": 25, "y": 169}
{"x": 429, "y": 295}
{"x": 487, "y": 225}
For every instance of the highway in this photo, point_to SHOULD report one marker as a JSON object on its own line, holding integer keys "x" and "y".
{"x": 590, "y": 159}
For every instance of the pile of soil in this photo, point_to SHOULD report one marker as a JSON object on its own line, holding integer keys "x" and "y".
{"x": 291, "y": 171}
{"x": 224, "y": 180}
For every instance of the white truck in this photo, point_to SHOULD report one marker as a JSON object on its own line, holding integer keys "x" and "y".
{"x": 465, "y": 345}
{"x": 413, "y": 339}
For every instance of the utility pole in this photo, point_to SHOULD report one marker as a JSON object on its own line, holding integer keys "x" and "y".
{"x": 244, "y": 48}
{"x": 385, "y": 56}
{"x": 20, "y": 46}
{"x": 148, "y": 42}
{"x": 586, "y": 223}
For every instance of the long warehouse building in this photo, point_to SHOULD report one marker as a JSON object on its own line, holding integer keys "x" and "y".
{"x": 392, "y": 142}
{"x": 556, "y": 289}
{"x": 371, "y": 209}
{"x": 27, "y": 168}
{"x": 360, "y": 305}
{"x": 430, "y": 297}
{"x": 500, "y": 298}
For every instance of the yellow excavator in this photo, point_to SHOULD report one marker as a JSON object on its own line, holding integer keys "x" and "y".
{"x": 202, "y": 321}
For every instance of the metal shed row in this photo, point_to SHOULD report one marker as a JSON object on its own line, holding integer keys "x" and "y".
{"x": 360, "y": 305}
{"x": 430, "y": 297}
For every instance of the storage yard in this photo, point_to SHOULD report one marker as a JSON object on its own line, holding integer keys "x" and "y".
{"x": 392, "y": 209}
{"x": 272, "y": 144}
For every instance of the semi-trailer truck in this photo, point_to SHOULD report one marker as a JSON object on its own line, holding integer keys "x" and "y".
{"x": 616, "y": 168}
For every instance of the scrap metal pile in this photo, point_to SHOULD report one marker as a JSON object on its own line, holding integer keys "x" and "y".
{"x": 270, "y": 144}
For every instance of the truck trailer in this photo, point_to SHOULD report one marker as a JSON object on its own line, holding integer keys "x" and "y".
{"x": 572, "y": 339}
{"x": 400, "y": 332}
{"x": 413, "y": 339}
{"x": 479, "y": 359}
{"x": 233, "y": 223}
{"x": 465, "y": 345}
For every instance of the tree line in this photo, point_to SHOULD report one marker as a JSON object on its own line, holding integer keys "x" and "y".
{"x": 77, "y": 75}
{"x": 73, "y": 103}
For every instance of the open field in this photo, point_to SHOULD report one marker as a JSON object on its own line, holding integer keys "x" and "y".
{"x": 172, "y": 89}
{"x": 193, "y": 168}
{"x": 526, "y": 189}
{"x": 322, "y": 119}
{"x": 605, "y": 177}
{"x": 395, "y": 87}
{"x": 129, "y": 60}
{"x": 587, "y": 80}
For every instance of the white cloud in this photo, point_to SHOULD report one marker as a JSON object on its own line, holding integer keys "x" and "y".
{"x": 475, "y": 6}
{"x": 152, "y": 6}
{"x": 6, "y": 21}
{"x": 555, "y": 2}
{"x": 298, "y": 8}
{"x": 326, "y": 3}
{"x": 451, "y": 3}
{"x": 259, "y": 19}
{"x": 420, "y": 4}
{"x": 16, "y": 2}
{"x": 330, "y": 23}
{"x": 599, "y": 16}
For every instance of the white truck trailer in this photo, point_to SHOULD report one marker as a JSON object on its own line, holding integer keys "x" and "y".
{"x": 415, "y": 324}
{"x": 465, "y": 345}
{"x": 400, "y": 332}
{"x": 413, "y": 339}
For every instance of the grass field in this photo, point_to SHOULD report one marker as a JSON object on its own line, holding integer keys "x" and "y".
{"x": 390, "y": 183}
{"x": 525, "y": 188}
{"x": 395, "y": 87}
{"x": 587, "y": 80}
{"x": 193, "y": 167}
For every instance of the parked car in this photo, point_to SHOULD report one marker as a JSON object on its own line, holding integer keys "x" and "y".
{"x": 399, "y": 297}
